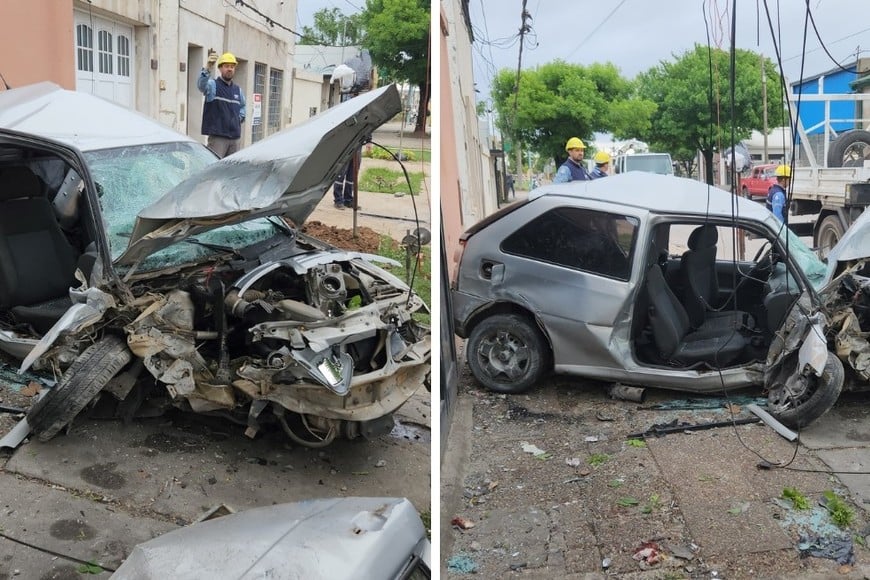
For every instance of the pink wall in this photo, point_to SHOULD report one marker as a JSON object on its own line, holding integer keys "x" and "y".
{"x": 37, "y": 42}
{"x": 451, "y": 213}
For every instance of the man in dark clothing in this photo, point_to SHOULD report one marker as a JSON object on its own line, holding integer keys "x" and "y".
{"x": 343, "y": 188}
{"x": 224, "y": 109}
{"x": 572, "y": 169}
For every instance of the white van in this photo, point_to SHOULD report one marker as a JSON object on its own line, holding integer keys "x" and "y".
{"x": 650, "y": 162}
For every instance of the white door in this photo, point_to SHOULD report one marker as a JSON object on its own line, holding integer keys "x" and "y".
{"x": 104, "y": 58}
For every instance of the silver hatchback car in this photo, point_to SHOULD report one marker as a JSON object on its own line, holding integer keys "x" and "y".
{"x": 644, "y": 279}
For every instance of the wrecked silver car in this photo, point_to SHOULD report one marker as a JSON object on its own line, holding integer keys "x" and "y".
{"x": 660, "y": 281}
{"x": 137, "y": 265}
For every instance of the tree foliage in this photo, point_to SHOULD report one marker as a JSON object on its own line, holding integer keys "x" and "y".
{"x": 559, "y": 100}
{"x": 694, "y": 111}
{"x": 333, "y": 28}
{"x": 397, "y": 37}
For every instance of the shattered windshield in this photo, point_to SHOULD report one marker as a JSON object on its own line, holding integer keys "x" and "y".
{"x": 814, "y": 269}
{"x": 131, "y": 178}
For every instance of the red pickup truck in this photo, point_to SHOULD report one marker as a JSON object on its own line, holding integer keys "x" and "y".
{"x": 756, "y": 184}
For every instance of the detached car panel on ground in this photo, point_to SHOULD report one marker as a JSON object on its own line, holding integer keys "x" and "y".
{"x": 329, "y": 539}
{"x": 135, "y": 240}
{"x": 642, "y": 279}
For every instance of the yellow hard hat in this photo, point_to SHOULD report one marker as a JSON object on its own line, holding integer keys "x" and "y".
{"x": 782, "y": 171}
{"x": 227, "y": 58}
{"x": 574, "y": 143}
{"x": 601, "y": 158}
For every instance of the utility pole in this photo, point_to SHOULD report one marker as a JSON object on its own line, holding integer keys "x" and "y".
{"x": 524, "y": 28}
{"x": 764, "y": 107}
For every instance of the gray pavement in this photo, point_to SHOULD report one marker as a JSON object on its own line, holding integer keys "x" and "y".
{"x": 588, "y": 507}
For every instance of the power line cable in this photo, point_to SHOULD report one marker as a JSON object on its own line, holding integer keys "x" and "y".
{"x": 596, "y": 29}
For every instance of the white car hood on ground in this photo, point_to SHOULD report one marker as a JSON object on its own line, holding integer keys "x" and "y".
{"x": 332, "y": 538}
{"x": 286, "y": 174}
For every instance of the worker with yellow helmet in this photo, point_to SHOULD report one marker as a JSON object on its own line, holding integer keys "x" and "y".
{"x": 777, "y": 194}
{"x": 572, "y": 169}
{"x": 602, "y": 164}
{"x": 224, "y": 109}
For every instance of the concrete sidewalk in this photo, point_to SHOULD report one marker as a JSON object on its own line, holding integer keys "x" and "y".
{"x": 547, "y": 485}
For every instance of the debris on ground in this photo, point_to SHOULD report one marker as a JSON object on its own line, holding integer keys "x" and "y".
{"x": 461, "y": 564}
{"x": 536, "y": 451}
{"x": 462, "y": 523}
{"x": 839, "y": 548}
{"x": 573, "y": 462}
{"x": 648, "y": 555}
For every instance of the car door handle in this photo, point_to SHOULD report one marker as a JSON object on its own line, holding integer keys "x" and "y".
{"x": 493, "y": 271}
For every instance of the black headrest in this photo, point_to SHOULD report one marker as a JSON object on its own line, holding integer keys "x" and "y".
{"x": 18, "y": 181}
{"x": 703, "y": 237}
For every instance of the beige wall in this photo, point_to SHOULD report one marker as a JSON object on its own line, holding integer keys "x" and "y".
{"x": 467, "y": 180}
{"x": 308, "y": 90}
{"x": 451, "y": 205}
{"x": 170, "y": 40}
{"x": 41, "y": 31}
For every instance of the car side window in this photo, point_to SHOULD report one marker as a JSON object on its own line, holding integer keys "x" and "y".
{"x": 592, "y": 241}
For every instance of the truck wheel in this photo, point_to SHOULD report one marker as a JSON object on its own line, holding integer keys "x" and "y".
{"x": 830, "y": 232}
{"x": 81, "y": 382}
{"x": 745, "y": 192}
{"x": 850, "y": 149}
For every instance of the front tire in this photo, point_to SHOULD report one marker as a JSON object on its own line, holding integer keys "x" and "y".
{"x": 797, "y": 400}
{"x": 81, "y": 382}
{"x": 746, "y": 193}
{"x": 507, "y": 353}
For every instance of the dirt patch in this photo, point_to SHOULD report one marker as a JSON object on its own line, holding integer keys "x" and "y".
{"x": 366, "y": 239}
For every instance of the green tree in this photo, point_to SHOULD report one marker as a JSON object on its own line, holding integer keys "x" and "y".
{"x": 694, "y": 114}
{"x": 397, "y": 36}
{"x": 333, "y": 28}
{"x": 559, "y": 100}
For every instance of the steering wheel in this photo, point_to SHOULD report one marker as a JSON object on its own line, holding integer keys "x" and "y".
{"x": 763, "y": 260}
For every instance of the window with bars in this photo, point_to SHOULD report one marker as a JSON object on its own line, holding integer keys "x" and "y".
{"x": 104, "y": 51}
{"x": 85, "y": 48}
{"x": 259, "y": 88}
{"x": 276, "y": 87}
{"x": 123, "y": 55}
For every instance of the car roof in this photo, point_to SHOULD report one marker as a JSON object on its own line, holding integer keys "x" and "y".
{"x": 79, "y": 119}
{"x": 659, "y": 194}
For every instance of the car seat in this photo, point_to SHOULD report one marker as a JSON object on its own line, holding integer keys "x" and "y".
{"x": 698, "y": 271}
{"x": 672, "y": 333}
{"x": 37, "y": 262}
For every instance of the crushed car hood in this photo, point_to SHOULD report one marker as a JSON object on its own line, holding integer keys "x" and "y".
{"x": 286, "y": 174}
{"x": 854, "y": 245}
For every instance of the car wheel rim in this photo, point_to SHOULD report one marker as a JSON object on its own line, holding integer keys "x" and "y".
{"x": 855, "y": 154}
{"x": 504, "y": 354}
{"x": 790, "y": 394}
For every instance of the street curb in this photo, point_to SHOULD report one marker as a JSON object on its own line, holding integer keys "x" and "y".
{"x": 453, "y": 467}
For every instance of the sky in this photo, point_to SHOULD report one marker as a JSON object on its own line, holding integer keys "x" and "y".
{"x": 305, "y": 9}
{"x": 636, "y": 35}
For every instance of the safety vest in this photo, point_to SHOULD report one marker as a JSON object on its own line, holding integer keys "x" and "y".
{"x": 578, "y": 172}
{"x": 772, "y": 190}
{"x": 220, "y": 117}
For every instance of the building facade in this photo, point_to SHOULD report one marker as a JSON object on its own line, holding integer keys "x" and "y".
{"x": 147, "y": 55}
